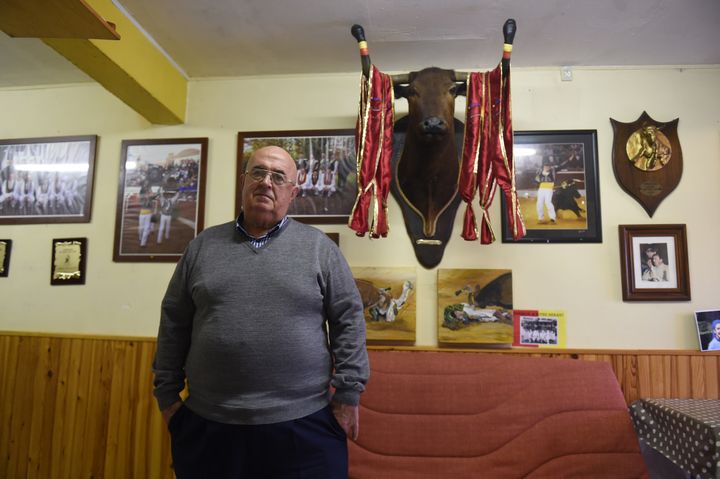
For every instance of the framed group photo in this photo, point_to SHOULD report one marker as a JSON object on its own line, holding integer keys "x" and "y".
{"x": 47, "y": 180}
{"x": 327, "y": 176}
{"x": 654, "y": 263}
{"x": 161, "y": 198}
{"x": 556, "y": 177}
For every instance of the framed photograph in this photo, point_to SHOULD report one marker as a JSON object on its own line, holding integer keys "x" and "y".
{"x": 161, "y": 198}
{"x": 556, "y": 177}
{"x": 538, "y": 328}
{"x": 47, "y": 180}
{"x": 708, "y": 329}
{"x": 327, "y": 176}
{"x": 69, "y": 257}
{"x": 5, "y": 249}
{"x": 654, "y": 263}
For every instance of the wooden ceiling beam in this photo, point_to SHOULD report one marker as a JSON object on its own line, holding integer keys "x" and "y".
{"x": 53, "y": 19}
{"x": 130, "y": 66}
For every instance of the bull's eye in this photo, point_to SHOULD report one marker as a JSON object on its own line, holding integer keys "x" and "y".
{"x": 412, "y": 92}
{"x": 453, "y": 90}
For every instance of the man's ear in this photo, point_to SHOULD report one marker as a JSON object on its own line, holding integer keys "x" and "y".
{"x": 294, "y": 192}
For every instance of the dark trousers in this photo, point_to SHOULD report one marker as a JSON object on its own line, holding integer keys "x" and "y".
{"x": 312, "y": 447}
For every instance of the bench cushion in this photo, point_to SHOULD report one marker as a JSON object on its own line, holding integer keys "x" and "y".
{"x": 468, "y": 415}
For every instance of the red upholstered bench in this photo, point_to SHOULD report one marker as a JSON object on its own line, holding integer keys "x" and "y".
{"x": 471, "y": 415}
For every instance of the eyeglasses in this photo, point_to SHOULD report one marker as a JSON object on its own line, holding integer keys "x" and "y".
{"x": 277, "y": 178}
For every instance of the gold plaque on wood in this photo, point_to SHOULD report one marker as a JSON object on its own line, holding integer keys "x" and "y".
{"x": 647, "y": 159}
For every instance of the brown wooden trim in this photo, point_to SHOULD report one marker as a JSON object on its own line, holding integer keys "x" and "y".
{"x": 99, "y": 337}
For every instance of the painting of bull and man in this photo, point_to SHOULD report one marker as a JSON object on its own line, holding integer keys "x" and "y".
{"x": 388, "y": 296}
{"x": 326, "y": 176}
{"x": 557, "y": 186}
{"x": 475, "y": 306}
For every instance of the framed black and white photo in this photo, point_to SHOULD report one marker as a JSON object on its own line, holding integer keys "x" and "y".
{"x": 556, "y": 178}
{"x": 654, "y": 263}
{"x": 47, "y": 180}
{"x": 161, "y": 198}
{"x": 327, "y": 177}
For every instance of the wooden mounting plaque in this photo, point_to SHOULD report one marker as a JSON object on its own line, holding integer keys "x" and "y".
{"x": 647, "y": 159}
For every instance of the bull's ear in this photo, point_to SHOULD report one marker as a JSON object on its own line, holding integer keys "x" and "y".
{"x": 461, "y": 89}
{"x": 401, "y": 91}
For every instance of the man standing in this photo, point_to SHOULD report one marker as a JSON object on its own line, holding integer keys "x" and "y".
{"x": 168, "y": 202}
{"x": 545, "y": 178}
{"x": 263, "y": 318}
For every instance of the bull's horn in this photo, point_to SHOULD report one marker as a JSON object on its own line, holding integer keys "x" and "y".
{"x": 403, "y": 78}
{"x": 461, "y": 76}
{"x": 358, "y": 32}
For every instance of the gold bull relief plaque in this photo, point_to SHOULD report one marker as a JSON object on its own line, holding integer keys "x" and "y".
{"x": 647, "y": 159}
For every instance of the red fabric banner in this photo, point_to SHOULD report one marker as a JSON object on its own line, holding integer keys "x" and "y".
{"x": 373, "y": 140}
{"x": 487, "y": 158}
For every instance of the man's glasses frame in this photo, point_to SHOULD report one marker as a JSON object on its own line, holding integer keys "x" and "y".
{"x": 258, "y": 174}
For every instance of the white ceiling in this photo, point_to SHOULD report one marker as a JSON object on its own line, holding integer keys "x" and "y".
{"x": 219, "y": 38}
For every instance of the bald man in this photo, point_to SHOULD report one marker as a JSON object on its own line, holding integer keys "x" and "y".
{"x": 263, "y": 319}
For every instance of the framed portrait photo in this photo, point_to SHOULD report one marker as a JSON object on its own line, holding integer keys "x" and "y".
{"x": 708, "y": 329}
{"x": 5, "y": 250}
{"x": 556, "y": 177}
{"x": 326, "y": 178}
{"x": 654, "y": 263}
{"x": 47, "y": 180}
{"x": 161, "y": 198}
{"x": 69, "y": 258}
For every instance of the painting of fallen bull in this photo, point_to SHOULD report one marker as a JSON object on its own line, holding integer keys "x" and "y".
{"x": 388, "y": 296}
{"x": 475, "y": 306}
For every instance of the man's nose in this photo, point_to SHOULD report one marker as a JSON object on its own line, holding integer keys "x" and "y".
{"x": 267, "y": 179}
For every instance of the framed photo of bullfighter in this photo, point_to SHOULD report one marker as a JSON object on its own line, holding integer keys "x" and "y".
{"x": 654, "y": 263}
{"x": 47, "y": 180}
{"x": 326, "y": 179}
{"x": 556, "y": 178}
{"x": 161, "y": 198}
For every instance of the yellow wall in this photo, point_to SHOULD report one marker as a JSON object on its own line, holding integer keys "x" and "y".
{"x": 582, "y": 279}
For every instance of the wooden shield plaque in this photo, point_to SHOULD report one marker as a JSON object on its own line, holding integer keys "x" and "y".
{"x": 647, "y": 159}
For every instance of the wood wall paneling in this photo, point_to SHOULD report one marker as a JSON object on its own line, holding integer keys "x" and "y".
{"x": 75, "y": 407}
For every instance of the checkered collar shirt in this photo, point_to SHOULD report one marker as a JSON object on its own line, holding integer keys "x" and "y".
{"x": 259, "y": 242}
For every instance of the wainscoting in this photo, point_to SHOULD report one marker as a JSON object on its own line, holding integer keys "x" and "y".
{"x": 82, "y": 407}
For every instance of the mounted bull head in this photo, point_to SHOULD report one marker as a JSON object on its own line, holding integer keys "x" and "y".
{"x": 426, "y": 144}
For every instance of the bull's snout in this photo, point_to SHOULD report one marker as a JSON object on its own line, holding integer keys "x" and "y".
{"x": 433, "y": 125}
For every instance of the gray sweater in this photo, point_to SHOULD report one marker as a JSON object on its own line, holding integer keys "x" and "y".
{"x": 247, "y": 327}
